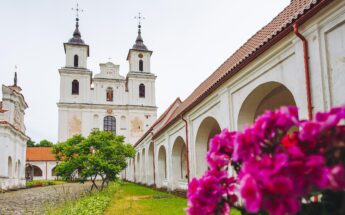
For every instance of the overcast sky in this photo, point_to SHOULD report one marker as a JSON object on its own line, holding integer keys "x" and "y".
{"x": 190, "y": 39}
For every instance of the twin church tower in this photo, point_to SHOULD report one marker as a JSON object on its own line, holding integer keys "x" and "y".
{"x": 106, "y": 101}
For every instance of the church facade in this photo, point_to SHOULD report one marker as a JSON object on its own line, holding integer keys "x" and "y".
{"x": 108, "y": 101}
{"x": 12, "y": 137}
{"x": 296, "y": 59}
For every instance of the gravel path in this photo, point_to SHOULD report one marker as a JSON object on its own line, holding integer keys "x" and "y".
{"x": 37, "y": 200}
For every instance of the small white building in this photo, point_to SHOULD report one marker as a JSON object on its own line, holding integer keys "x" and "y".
{"x": 106, "y": 101}
{"x": 12, "y": 137}
{"x": 40, "y": 164}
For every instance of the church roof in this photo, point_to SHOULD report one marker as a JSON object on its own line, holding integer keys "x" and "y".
{"x": 139, "y": 42}
{"x": 76, "y": 39}
{"x": 40, "y": 154}
{"x": 297, "y": 11}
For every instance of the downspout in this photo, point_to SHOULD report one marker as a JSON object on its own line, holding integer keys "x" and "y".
{"x": 306, "y": 69}
{"x": 153, "y": 160}
{"x": 187, "y": 146}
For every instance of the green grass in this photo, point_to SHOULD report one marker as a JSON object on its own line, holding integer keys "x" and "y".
{"x": 41, "y": 183}
{"x": 133, "y": 199}
{"x": 93, "y": 203}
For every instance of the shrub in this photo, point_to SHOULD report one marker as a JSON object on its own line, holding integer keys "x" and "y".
{"x": 280, "y": 161}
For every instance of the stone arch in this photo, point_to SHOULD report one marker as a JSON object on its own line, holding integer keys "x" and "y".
{"x": 150, "y": 164}
{"x": 207, "y": 129}
{"x": 143, "y": 166}
{"x": 162, "y": 165}
{"x": 37, "y": 171}
{"x": 179, "y": 161}
{"x": 267, "y": 96}
{"x": 9, "y": 167}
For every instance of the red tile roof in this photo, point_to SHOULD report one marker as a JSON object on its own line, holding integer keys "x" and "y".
{"x": 39, "y": 154}
{"x": 297, "y": 11}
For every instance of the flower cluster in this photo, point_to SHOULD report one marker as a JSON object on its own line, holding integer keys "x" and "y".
{"x": 279, "y": 160}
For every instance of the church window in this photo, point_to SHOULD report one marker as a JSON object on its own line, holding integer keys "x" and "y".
{"x": 109, "y": 94}
{"x": 37, "y": 171}
{"x": 109, "y": 124}
{"x": 142, "y": 91}
{"x": 9, "y": 169}
{"x": 75, "y": 87}
{"x": 76, "y": 60}
{"x": 141, "y": 65}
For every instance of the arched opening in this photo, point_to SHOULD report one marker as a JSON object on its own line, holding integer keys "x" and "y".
{"x": 75, "y": 87}
{"x": 142, "y": 91}
{"x": 95, "y": 122}
{"x": 207, "y": 129}
{"x": 143, "y": 166}
{"x": 141, "y": 65}
{"x": 267, "y": 96}
{"x": 9, "y": 167}
{"x": 53, "y": 171}
{"x": 162, "y": 165}
{"x": 110, "y": 94}
{"x": 19, "y": 170}
{"x": 137, "y": 169}
{"x": 150, "y": 164}
{"x": 76, "y": 60}
{"x": 37, "y": 171}
{"x": 179, "y": 161}
{"x": 29, "y": 172}
{"x": 109, "y": 124}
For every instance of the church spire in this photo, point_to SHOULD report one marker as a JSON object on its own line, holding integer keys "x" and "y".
{"x": 139, "y": 42}
{"x": 76, "y": 34}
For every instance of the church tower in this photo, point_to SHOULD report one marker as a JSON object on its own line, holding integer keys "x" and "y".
{"x": 141, "y": 81}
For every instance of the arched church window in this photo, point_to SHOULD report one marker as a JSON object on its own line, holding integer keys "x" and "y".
{"x": 76, "y": 60}
{"x": 109, "y": 124}
{"x": 75, "y": 87}
{"x": 9, "y": 167}
{"x": 141, "y": 65}
{"x": 109, "y": 94}
{"x": 142, "y": 91}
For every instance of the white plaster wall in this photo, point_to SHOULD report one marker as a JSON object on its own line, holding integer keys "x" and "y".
{"x": 80, "y": 50}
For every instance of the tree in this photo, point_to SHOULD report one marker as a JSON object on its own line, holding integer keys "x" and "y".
{"x": 45, "y": 143}
{"x": 30, "y": 143}
{"x": 102, "y": 154}
{"x": 42, "y": 143}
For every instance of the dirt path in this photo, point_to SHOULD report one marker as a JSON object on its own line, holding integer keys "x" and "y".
{"x": 37, "y": 200}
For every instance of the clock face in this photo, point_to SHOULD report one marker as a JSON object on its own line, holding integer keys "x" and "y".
{"x": 140, "y": 55}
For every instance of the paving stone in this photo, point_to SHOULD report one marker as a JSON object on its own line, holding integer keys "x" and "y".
{"x": 37, "y": 200}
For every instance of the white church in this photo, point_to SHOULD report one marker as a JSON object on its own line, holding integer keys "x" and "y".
{"x": 107, "y": 101}
{"x": 12, "y": 137}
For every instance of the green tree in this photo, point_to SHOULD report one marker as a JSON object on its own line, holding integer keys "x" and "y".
{"x": 45, "y": 143}
{"x": 102, "y": 154}
{"x": 30, "y": 143}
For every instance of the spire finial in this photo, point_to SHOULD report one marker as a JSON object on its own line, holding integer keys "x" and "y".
{"x": 139, "y": 18}
{"x": 76, "y": 34}
{"x": 15, "y": 76}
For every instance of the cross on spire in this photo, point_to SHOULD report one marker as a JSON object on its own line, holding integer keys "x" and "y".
{"x": 139, "y": 18}
{"x": 77, "y": 10}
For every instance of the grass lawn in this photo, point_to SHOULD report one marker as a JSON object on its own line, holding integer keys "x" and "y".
{"x": 131, "y": 199}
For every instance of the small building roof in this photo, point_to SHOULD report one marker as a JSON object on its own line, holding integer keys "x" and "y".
{"x": 40, "y": 154}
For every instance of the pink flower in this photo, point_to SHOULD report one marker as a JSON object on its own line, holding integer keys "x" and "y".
{"x": 251, "y": 193}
